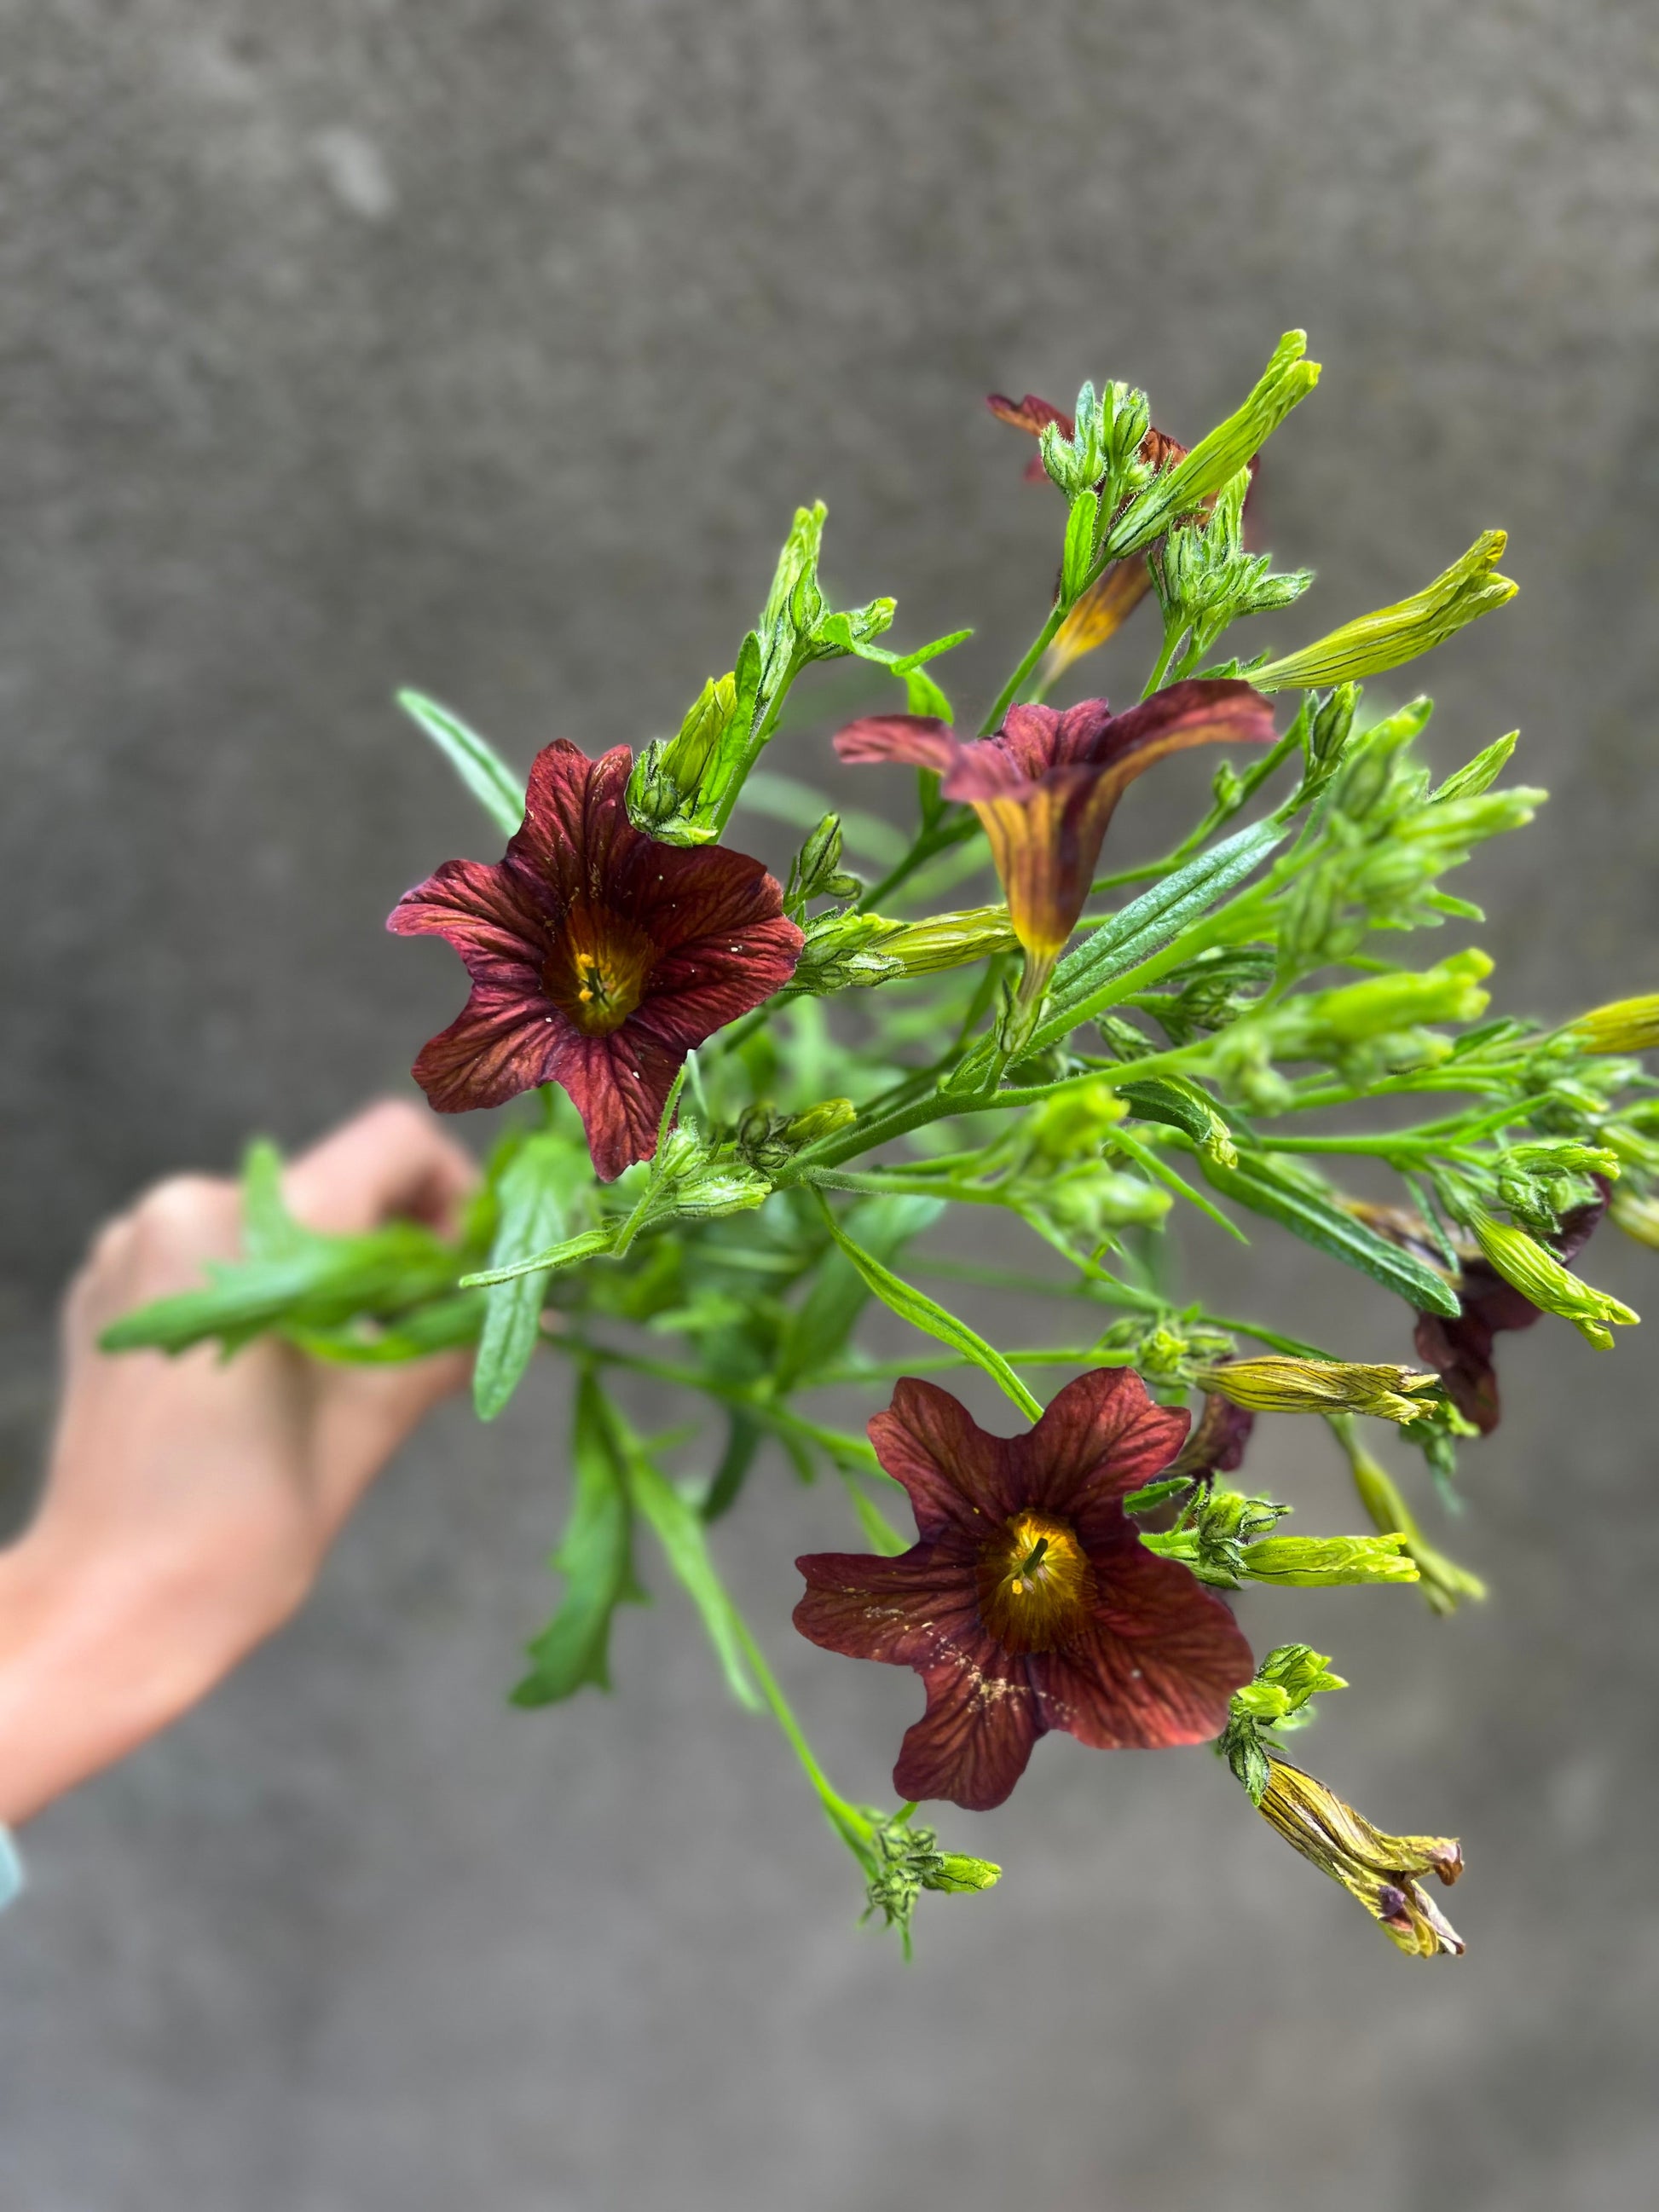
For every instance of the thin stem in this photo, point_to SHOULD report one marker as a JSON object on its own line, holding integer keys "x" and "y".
{"x": 1010, "y": 691}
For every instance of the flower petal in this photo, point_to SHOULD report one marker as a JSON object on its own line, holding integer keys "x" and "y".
{"x": 958, "y": 1476}
{"x": 479, "y": 908}
{"x": 1156, "y": 1665}
{"x": 697, "y": 988}
{"x": 973, "y": 1742}
{"x": 619, "y": 1084}
{"x": 1101, "y": 1438}
{"x": 921, "y": 740}
{"x": 551, "y": 848}
{"x": 502, "y": 1042}
{"x": 906, "y": 1611}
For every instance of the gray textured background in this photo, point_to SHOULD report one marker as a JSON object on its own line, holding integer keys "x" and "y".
{"x": 486, "y": 345}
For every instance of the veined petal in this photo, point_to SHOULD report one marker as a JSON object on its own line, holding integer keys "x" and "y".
{"x": 957, "y": 1475}
{"x": 1116, "y": 1691}
{"x": 907, "y": 1612}
{"x": 1101, "y": 1438}
{"x": 502, "y": 1042}
{"x": 921, "y": 740}
{"x": 972, "y": 1744}
{"x": 619, "y": 1084}
{"x": 477, "y": 907}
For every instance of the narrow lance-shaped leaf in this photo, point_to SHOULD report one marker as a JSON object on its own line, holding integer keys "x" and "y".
{"x": 479, "y": 766}
{"x": 1319, "y": 1223}
{"x": 679, "y": 1529}
{"x": 539, "y": 1192}
{"x": 820, "y": 1326}
{"x": 595, "y": 1557}
{"x": 928, "y": 1314}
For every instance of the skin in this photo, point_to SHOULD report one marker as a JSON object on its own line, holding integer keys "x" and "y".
{"x": 189, "y": 1502}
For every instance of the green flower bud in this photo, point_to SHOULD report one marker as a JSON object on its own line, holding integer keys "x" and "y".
{"x": 1445, "y": 1585}
{"x": 1636, "y": 1216}
{"x": 1391, "y": 635}
{"x": 1325, "y": 1562}
{"x": 1627, "y": 1025}
{"x": 1540, "y": 1276}
{"x": 950, "y": 940}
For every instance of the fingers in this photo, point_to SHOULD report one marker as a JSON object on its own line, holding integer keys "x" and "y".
{"x": 388, "y": 1161}
{"x": 160, "y": 1246}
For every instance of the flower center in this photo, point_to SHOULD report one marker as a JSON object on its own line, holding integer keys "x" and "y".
{"x": 599, "y": 967}
{"x": 1035, "y": 1582}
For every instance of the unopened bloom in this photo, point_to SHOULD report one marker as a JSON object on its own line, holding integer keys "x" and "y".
{"x": 1046, "y": 784}
{"x": 1276, "y": 1384}
{"x": 1460, "y": 1350}
{"x": 1381, "y": 1871}
{"x": 598, "y": 957}
{"x": 1627, "y": 1025}
{"x": 1029, "y": 1602}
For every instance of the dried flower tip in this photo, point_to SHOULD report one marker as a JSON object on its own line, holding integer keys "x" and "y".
{"x": 1380, "y": 1870}
{"x": 1276, "y": 1384}
{"x": 1627, "y": 1025}
{"x": 1540, "y": 1277}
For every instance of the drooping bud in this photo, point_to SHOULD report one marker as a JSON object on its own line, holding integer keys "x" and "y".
{"x": 1445, "y": 1585}
{"x": 1381, "y": 1871}
{"x": 1540, "y": 1277}
{"x": 1392, "y": 635}
{"x": 1278, "y": 1384}
{"x": 1627, "y": 1025}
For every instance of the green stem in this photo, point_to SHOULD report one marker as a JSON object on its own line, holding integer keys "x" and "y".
{"x": 849, "y": 1824}
{"x": 1039, "y": 646}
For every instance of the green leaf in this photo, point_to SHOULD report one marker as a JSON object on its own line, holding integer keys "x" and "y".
{"x": 269, "y": 1230}
{"x": 926, "y": 1313}
{"x": 1139, "y": 930}
{"x": 538, "y": 1193}
{"x": 568, "y": 1252}
{"x": 679, "y": 1530}
{"x": 819, "y": 1327}
{"x": 481, "y": 768}
{"x": 1481, "y": 773}
{"x": 1254, "y": 1183}
{"x": 595, "y": 1557}
{"x": 1080, "y": 549}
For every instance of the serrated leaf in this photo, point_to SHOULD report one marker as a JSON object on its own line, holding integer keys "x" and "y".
{"x": 479, "y": 766}
{"x": 1255, "y": 1184}
{"x": 596, "y": 1558}
{"x": 538, "y": 1193}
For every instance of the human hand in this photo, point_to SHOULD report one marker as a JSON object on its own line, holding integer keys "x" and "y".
{"x": 190, "y": 1501}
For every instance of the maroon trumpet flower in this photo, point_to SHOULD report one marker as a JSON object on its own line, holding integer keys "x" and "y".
{"x": 598, "y": 957}
{"x": 1029, "y": 1602}
{"x": 1047, "y": 784}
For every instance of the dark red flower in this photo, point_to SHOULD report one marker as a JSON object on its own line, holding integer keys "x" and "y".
{"x": 598, "y": 957}
{"x": 1460, "y": 1351}
{"x": 1029, "y": 1602}
{"x": 1046, "y": 784}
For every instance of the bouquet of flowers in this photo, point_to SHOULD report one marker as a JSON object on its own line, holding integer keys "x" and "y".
{"x": 750, "y": 1103}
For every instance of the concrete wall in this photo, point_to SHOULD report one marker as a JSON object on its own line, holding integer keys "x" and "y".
{"x": 486, "y": 345}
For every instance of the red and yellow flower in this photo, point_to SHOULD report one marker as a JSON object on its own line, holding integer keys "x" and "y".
{"x": 1029, "y": 1602}
{"x": 598, "y": 957}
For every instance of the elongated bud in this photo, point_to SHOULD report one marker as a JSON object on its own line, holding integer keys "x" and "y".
{"x": 1627, "y": 1025}
{"x": 663, "y": 785}
{"x": 1444, "y": 1584}
{"x": 1277, "y": 1384}
{"x": 821, "y": 1121}
{"x": 950, "y": 940}
{"x": 1381, "y": 1871}
{"x": 1391, "y": 635}
{"x": 1636, "y": 1216}
{"x": 1326, "y": 1562}
{"x": 1539, "y": 1276}
{"x": 957, "y": 1874}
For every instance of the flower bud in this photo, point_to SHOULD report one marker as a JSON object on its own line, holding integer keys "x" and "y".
{"x": 1636, "y": 1216}
{"x": 1276, "y": 1384}
{"x": 1445, "y": 1585}
{"x": 1326, "y": 1562}
{"x": 950, "y": 940}
{"x": 1391, "y": 635}
{"x": 821, "y": 1121}
{"x": 1381, "y": 1871}
{"x": 1627, "y": 1025}
{"x": 1540, "y": 1277}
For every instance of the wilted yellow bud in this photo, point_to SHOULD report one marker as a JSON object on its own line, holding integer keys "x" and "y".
{"x": 1394, "y": 635}
{"x": 1381, "y": 1871}
{"x": 1627, "y": 1025}
{"x": 1540, "y": 1276}
{"x": 1275, "y": 1385}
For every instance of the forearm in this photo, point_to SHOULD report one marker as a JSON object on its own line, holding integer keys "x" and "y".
{"x": 92, "y": 1663}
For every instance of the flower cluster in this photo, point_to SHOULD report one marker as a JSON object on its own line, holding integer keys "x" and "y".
{"x": 749, "y": 1103}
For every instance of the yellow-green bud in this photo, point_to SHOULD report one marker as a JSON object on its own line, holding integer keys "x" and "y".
{"x": 950, "y": 940}
{"x": 1324, "y": 1562}
{"x": 1538, "y": 1275}
{"x": 1276, "y": 1384}
{"x": 1444, "y": 1584}
{"x": 1394, "y": 635}
{"x": 1627, "y": 1025}
{"x": 1636, "y": 1216}
{"x": 821, "y": 1121}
